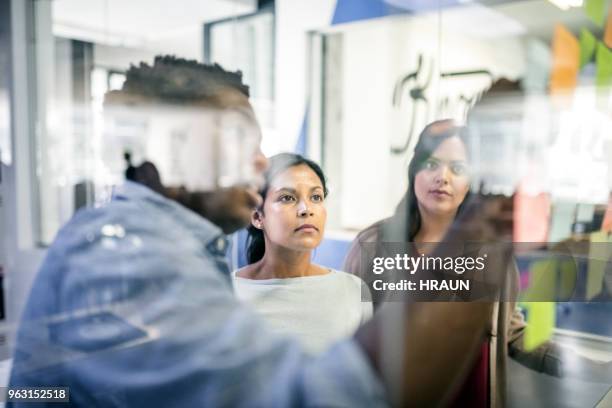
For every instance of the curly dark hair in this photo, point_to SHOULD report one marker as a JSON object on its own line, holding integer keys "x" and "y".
{"x": 176, "y": 80}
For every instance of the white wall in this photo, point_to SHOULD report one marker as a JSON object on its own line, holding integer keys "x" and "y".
{"x": 376, "y": 54}
{"x": 120, "y": 58}
{"x": 294, "y": 19}
{"x": 368, "y": 68}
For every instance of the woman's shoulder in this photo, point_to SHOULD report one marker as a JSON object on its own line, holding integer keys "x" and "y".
{"x": 347, "y": 277}
{"x": 358, "y": 288}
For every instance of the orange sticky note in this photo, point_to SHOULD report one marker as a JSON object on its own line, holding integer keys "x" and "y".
{"x": 607, "y": 38}
{"x": 565, "y": 61}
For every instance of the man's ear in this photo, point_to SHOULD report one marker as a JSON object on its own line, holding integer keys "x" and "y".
{"x": 257, "y": 219}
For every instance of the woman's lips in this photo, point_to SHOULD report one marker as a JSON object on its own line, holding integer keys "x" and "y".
{"x": 440, "y": 193}
{"x": 307, "y": 228}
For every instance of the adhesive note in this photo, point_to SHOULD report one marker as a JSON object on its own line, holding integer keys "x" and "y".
{"x": 606, "y": 225}
{"x": 608, "y": 153}
{"x": 607, "y": 38}
{"x": 567, "y": 279}
{"x": 531, "y": 216}
{"x": 542, "y": 280}
{"x": 595, "y": 10}
{"x": 599, "y": 256}
{"x": 603, "y": 77}
{"x": 565, "y": 62}
{"x": 588, "y": 43}
{"x": 551, "y": 279}
{"x": 540, "y": 323}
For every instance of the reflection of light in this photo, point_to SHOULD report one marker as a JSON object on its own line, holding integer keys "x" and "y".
{"x": 99, "y": 331}
{"x": 111, "y": 230}
{"x": 5, "y": 138}
{"x": 566, "y": 4}
{"x": 577, "y": 154}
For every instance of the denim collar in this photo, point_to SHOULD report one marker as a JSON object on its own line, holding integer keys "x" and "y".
{"x": 213, "y": 238}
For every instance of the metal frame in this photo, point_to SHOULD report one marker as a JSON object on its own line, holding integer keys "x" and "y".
{"x": 266, "y": 8}
{"x": 23, "y": 254}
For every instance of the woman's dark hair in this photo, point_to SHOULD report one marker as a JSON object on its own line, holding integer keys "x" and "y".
{"x": 255, "y": 245}
{"x": 406, "y": 222}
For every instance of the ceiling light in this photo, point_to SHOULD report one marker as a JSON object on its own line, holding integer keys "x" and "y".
{"x": 566, "y": 4}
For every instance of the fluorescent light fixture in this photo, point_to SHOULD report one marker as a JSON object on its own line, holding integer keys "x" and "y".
{"x": 97, "y": 36}
{"x": 566, "y": 4}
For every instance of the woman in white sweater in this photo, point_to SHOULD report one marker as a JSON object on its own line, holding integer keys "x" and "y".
{"x": 317, "y": 304}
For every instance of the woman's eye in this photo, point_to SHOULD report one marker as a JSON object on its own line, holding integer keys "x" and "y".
{"x": 286, "y": 198}
{"x": 459, "y": 169}
{"x": 430, "y": 165}
{"x": 317, "y": 198}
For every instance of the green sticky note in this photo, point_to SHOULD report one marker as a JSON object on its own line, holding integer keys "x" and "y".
{"x": 542, "y": 281}
{"x": 540, "y": 323}
{"x": 603, "y": 77}
{"x": 588, "y": 42}
{"x": 596, "y": 10}
{"x": 599, "y": 257}
{"x": 567, "y": 278}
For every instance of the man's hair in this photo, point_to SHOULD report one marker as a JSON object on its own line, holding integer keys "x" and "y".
{"x": 176, "y": 80}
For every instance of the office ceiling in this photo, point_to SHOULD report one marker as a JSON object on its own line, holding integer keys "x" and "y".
{"x": 156, "y": 25}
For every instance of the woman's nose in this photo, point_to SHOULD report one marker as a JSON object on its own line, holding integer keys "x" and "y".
{"x": 442, "y": 175}
{"x": 303, "y": 209}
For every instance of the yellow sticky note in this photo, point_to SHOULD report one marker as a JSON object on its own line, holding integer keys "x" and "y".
{"x": 542, "y": 280}
{"x": 568, "y": 275}
{"x": 599, "y": 256}
{"x": 540, "y": 323}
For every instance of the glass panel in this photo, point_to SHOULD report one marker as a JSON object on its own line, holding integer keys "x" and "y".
{"x": 530, "y": 82}
{"x": 425, "y": 116}
{"x": 247, "y": 44}
{"x": 83, "y": 52}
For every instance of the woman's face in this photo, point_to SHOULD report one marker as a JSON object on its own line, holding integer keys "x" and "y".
{"x": 443, "y": 180}
{"x": 294, "y": 212}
